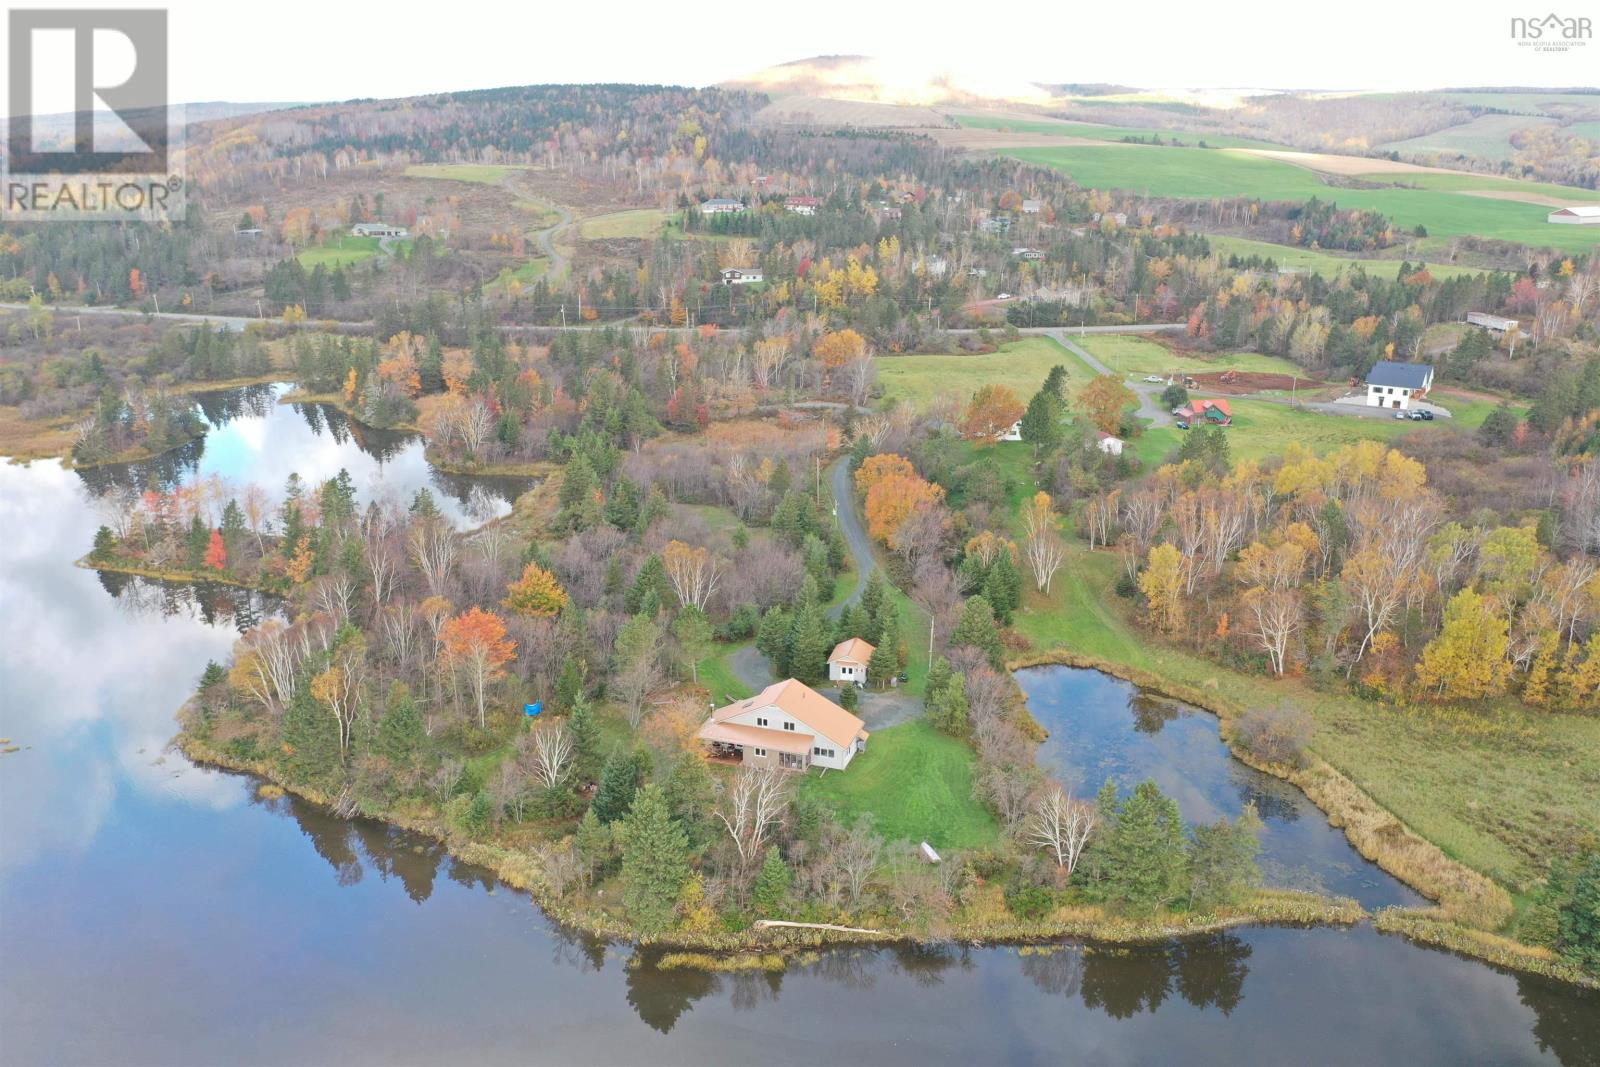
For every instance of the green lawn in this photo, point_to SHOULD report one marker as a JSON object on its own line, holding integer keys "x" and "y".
{"x": 1021, "y": 365}
{"x": 638, "y": 223}
{"x": 1262, "y": 430}
{"x": 1323, "y": 263}
{"x": 716, "y": 674}
{"x": 1487, "y": 137}
{"x": 917, "y": 783}
{"x": 1096, "y": 132}
{"x": 339, "y": 251}
{"x": 1439, "y": 204}
{"x": 481, "y": 173}
{"x": 1127, "y": 354}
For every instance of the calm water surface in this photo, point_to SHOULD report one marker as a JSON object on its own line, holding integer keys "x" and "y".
{"x": 152, "y": 912}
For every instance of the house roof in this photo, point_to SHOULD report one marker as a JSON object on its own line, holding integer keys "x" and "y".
{"x": 1219, "y": 404}
{"x": 1404, "y": 375}
{"x": 1102, "y": 435}
{"x": 852, "y": 650}
{"x": 732, "y": 733}
{"x": 803, "y": 704}
{"x": 1583, "y": 211}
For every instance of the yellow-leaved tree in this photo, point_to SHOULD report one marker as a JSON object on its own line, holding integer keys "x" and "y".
{"x": 1161, "y": 582}
{"x": 1467, "y": 660}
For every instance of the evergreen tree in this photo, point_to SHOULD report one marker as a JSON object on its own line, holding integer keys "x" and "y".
{"x": 772, "y": 639}
{"x": 1578, "y": 921}
{"x": 690, "y": 794}
{"x": 883, "y": 665}
{"x": 948, "y": 712}
{"x": 105, "y": 544}
{"x": 772, "y": 885}
{"x": 596, "y": 844}
{"x": 977, "y": 630}
{"x": 1143, "y": 862}
{"x": 401, "y": 733}
{"x": 809, "y": 646}
{"x": 622, "y": 509}
{"x": 874, "y": 595}
{"x": 1222, "y": 860}
{"x": 585, "y": 734}
{"x": 939, "y": 675}
{"x": 1002, "y": 588}
{"x": 1041, "y": 422}
{"x": 580, "y": 487}
{"x": 655, "y": 861}
{"x": 311, "y": 739}
{"x": 849, "y": 697}
{"x": 650, "y": 588}
{"x": 569, "y": 684}
{"x": 619, "y": 783}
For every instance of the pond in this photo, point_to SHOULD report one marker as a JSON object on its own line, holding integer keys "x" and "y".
{"x": 1103, "y": 727}
{"x": 154, "y": 912}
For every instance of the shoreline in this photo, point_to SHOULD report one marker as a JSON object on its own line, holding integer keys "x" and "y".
{"x": 521, "y": 872}
{"x": 157, "y": 574}
{"x": 1456, "y": 890}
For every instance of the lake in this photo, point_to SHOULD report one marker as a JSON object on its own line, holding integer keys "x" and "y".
{"x": 154, "y": 912}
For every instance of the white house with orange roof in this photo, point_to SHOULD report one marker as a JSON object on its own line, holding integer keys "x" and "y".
{"x": 788, "y": 724}
{"x": 848, "y": 661}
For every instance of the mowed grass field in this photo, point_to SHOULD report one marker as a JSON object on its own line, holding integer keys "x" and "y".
{"x": 1020, "y": 365}
{"x": 482, "y": 173}
{"x": 339, "y": 251}
{"x": 638, "y": 223}
{"x": 1324, "y": 263}
{"x": 1439, "y": 203}
{"x": 1096, "y": 132}
{"x": 916, "y": 783}
{"x": 1487, "y": 137}
{"x": 1127, "y": 354}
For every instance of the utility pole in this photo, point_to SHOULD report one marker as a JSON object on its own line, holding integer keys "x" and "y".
{"x": 563, "y": 316}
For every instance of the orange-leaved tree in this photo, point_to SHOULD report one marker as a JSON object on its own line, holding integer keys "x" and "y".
{"x": 1102, "y": 401}
{"x": 216, "y": 552}
{"x": 993, "y": 410}
{"x": 476, "y": 644}
{"x": 893, "y": 499}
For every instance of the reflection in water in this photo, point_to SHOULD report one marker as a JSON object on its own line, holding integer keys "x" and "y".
{"x": 212, "y": 603}
{"x": 1104, "y": 728}
{"x": 254, "y": 438}
{"x": 167, "y": 915}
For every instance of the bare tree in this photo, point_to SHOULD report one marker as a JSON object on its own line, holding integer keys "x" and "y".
{"x": 1062, "y": 826}
{"x": 694, "y": 573}
{"x": 750, "y": 809}
{"x": 433, "y": 546}
{"x": 1042, "y": 545}
{"x": 550, "y": 753}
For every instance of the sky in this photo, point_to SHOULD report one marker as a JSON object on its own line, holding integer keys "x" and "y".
{"x": 312, "y": 50}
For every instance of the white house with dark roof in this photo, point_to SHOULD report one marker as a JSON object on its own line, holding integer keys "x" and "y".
{"x": 1396, "y": 385}
{"x": 721, "y": 206}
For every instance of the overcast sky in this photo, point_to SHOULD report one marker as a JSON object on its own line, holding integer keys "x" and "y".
{"x": 247, "y": 50}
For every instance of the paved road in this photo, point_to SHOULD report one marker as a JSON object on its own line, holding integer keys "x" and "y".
{"x": 1149, "y": 393}
{"x": 855, "y": 535}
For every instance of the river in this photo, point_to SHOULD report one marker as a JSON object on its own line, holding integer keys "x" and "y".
{"x": 153, "y": 912}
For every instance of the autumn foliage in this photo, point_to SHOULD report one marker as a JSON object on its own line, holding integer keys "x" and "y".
{"x": 536, "y": 594}
{"x": 894, "y": 490}
{"x": 993, "y": 410}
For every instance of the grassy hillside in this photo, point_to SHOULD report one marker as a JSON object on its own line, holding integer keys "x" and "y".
{"x": 1096, "y": 132}
{"x": 1021, "y": 365}
{"x": 1324, "y": 263}
{"x": 1440, "y": 203}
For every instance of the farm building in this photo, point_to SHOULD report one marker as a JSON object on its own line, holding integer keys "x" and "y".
{"x": 1215, "y": 412}
{"x": 788, "y": 724}
{"x": 1032, "y": 207}
{"x": 802, "y": 205}
{"x": 1110, "y": 444}
{"x": 1011, "y": 433}
{"x": 848, "y": 661}
{"x": 721, "y": 206}
{"x": 376, "y": 229}
{"x": 1492, "y": 323}
{"x": 1395, "y": 385}
{"x": 1585, "y": 215}
{"x": 742, "y": 276}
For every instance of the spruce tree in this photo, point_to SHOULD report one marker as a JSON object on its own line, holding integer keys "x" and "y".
{"x": 655, "y": 861}
{"x": 619, "y": 783}
{"x": 772, "y": 639}
{"x": 585, "y": 733}
{"x": 977, "y": 630}
{"x": 772, "y": 884}
{"x": 883, "y": 665}
{"x": 1002, "y": 588}
{"x": 401, "y": 733}
{"x": 809, "y": 646}
{"x": 1145, "y": 862}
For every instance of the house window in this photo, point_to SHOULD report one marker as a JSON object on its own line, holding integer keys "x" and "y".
{"x": 788, "y": 725}
{"x": 760, "y": 751}
{"x": 760, "y": 721}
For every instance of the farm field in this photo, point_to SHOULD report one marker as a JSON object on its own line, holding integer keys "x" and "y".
{"x": 916, "y": 783}
{"x": 1487, "y": 136}
{"x": 481, "y": 173}
{"x": 1440, "y": 204}
{"x": 1325, "y": 264}
{"x": 1096, "y": 132}
{"x": 1138, "y": 355}
{"x": 641, "y": 223}
{"x": 1021, "y": 365}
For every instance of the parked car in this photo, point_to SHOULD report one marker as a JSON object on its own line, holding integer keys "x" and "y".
{"x": 1154, "y": 378}
{"x": 1182, "y": 425}
{"x": 1415, "y": 416}
{"x": 1400, "y": 415}
{"x": 1427, "y": 416}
